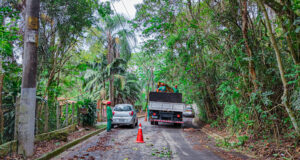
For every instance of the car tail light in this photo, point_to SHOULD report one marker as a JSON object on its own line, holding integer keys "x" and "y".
{"x": 178, "y": 115}
{"x": 131, "y": 113}
{"x": 154, "y": 114}
{"x": 113, "y": 113}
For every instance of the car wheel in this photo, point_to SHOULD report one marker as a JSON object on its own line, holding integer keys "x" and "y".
{"x": 152, "y": 122}
{"x": 137, "y": 122}
{"x": 156, "y": 123}
{"x": 112, "y": 126}
{"x": 132, "y": 125}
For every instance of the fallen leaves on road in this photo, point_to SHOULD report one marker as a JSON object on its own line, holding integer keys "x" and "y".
{"x": 101, "y": 144}
{"x": 189, "y": 130}
{"x": 135, "y": 149}
{"x": 43, "y": 147}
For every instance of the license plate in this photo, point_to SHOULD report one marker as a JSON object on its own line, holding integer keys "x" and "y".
{"x": 121, "y": 120}
{"x": 154, "y": 116}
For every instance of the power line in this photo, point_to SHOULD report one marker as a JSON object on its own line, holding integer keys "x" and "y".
{"x": 129, "y": 40}
{"x": 125, "y": 8}
{"x": 124, "y": 29}
{"x": 126, "y": 22}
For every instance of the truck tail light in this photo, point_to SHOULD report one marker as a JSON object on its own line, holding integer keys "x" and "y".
{"x": 131, "y": 113}
{"x": 113, "y": 113}
{"x": 178, "y": 115}
{"x": 154, "y": 114}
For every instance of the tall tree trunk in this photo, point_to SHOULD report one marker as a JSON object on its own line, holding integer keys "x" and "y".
{"x": 1, "y": 87}
{"x": 1, "y": 108}
{"x": 289, "y": 41}
{"x": 110, "y": 60}
{"x": 290, "y": 46}
{"x": 101, "y": 104}
{"x": 111, "y": 90}
{"x": 57, "y": 115}
{"x": 248, "y": 50}
{"x": 285, "y": 96}
{"x": 28, "y": 90}
{"x": 148, "y": 89}
{"x": 46, "y": 114}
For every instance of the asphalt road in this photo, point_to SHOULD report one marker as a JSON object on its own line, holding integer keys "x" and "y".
{"x": 161, "y": 142}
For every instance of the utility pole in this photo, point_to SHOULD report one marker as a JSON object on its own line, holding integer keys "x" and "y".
{"x": 28, "y": 90}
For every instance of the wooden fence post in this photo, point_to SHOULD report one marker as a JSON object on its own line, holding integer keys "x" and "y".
{"x": 57, "y": 116}
{"x": 78, "y": 115}
{"x": 37, "y": 117}
{"x": 73, "y": 111}
{"x": 67, "y": 114}
{"x": 17, "y": 111}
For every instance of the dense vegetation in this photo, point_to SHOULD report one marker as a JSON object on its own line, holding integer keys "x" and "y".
{"x": 83, "y": 55}
{"x": 238, "y": 60}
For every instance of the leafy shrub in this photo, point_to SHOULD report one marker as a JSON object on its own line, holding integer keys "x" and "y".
{"x": 88, "y": 119}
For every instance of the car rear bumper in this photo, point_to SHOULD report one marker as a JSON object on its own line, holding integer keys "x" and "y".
{"x": 123, "y": 121}
{"x": 188, "y": 114}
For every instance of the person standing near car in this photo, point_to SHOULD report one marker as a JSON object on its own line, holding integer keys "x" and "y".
{"x": 109, "y": 116}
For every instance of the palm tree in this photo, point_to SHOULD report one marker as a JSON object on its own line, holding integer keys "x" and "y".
{"x": 99, "y": 72}
{"x": 127, "y": 88}
{"x": 95, "y": 78}
{"x": 116, "y": 39}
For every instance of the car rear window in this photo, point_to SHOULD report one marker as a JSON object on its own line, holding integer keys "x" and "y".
{"x": 122, "y": 108}
{"x": 188, "y": 107}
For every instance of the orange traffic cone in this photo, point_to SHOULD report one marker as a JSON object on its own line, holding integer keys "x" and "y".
{"x": 140, "y": 138}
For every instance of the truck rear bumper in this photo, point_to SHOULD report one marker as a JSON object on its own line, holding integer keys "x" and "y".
{"x": 166, "y": 121}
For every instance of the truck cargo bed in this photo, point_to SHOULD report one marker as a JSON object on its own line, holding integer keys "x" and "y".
{"x": 165, "y": 97}
{"x": 166, "y": 106}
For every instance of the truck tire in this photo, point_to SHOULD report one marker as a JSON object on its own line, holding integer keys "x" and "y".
{"x": 178, "y": 125}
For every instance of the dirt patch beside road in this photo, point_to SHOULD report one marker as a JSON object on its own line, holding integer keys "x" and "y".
{"x": 201, "y": 142}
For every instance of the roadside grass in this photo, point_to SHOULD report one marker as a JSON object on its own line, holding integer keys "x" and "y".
{"x": 100, "y": 126}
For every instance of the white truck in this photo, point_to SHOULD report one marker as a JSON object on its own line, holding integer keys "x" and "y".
{"x": 166, "y": 107}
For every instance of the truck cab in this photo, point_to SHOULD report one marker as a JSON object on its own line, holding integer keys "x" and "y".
{"x": 166, "y": 107}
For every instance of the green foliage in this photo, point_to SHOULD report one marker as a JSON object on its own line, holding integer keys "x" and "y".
{"x": 88, "y": 119}
{"x": 227, "y": 144}
{"x": 200, "y": 47}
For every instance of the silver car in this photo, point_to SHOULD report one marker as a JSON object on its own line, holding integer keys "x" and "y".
{"x": 124, "y": 114}
{"x": 189, "y": 112}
